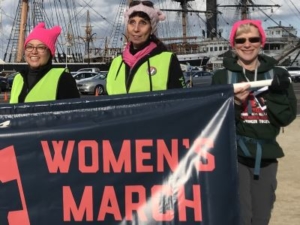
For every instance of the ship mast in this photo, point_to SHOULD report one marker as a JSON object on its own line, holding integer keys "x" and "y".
{"x": 244, "y": 6}
{"x": 22, "y": 29}
{"x": 211, "y": 18}
{"x": 88, "y": 39}
{"x": 183, "y": 4}
{"x": 31, "y": 12}
{"x": 184, "y": 10}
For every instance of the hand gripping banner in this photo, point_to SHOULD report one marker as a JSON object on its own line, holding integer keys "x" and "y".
{"x": 159, "y": 158}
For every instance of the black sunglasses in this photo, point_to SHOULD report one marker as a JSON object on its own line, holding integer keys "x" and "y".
{"x": 250, "y": 39}
{"x": 145, "y": 3}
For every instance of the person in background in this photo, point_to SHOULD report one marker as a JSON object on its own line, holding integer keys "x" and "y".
{"x": 259, "y": 116}
{"x": 145, "y": 64}
{"x": 40, "y": 81}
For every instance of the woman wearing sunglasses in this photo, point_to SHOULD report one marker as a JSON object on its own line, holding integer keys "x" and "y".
{"x": 259, "y": 116}
{"x": 145, "y": 64}
{"x": 40, "y": 81}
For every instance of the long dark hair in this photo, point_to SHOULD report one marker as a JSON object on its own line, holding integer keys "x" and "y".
{"x": 140, "y": 14}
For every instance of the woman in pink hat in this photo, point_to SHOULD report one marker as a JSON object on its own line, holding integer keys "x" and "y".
{"x": 259, "y": 117}
{"x": 40, "y": 81}
{"x": 145, "y": 64}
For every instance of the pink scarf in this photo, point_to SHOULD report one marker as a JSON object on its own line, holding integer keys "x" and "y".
{"x": 131, "y": 60}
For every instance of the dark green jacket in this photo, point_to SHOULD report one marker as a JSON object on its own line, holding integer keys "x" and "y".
{"x": 264, "y": 125}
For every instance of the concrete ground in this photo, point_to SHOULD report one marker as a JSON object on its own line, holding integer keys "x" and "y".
{"x": 287, "y": 205}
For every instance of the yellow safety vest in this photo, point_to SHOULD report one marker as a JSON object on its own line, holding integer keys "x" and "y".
{"x": 44, "y": 90}
{"x": 159, "y": 69}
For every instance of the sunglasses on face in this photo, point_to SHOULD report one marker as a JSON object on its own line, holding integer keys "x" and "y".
{"x": 243, "y": 40}
{"x": 145, "y": 3}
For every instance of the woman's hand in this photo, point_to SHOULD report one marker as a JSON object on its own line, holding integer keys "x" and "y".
{"x": 241, "y": 92}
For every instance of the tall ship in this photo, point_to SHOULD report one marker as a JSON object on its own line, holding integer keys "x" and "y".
{"x": 282, "y": 42}
{"x": 192, "y": 39}
{"x": 196, "y": 30}
{"x": 74, "y": 47}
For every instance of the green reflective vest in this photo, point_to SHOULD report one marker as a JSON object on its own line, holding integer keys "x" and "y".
{"x": 159, "y": 75}
{"x": 44, "y": 90}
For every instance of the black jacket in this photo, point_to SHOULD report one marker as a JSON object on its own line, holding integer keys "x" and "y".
{"x": 66, "y": 86}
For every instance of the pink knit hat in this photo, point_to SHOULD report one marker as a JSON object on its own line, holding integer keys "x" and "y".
{"x": 154, "y": 14}
{"x": 47, "y": 36}
{"x": 256, "y": 23}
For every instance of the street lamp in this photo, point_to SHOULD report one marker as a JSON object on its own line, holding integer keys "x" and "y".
{"x": 69, "y": 42}
{"x": 84, "y": 47}
{"x": 89, "y": 39}
{"x": 68, "y": 45}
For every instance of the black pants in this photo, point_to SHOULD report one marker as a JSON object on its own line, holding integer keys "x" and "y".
{"x": 257, "y": 197}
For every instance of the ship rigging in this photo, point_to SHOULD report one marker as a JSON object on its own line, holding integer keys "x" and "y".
{"x": 194, "y": 33}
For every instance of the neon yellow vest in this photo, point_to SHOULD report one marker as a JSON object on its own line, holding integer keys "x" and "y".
{"x": 159, "y": 65}
{"x": 44, "y": 90}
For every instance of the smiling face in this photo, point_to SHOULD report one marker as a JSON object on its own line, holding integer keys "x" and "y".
{"x": 36, "y": 54}
{"x": 139, "y": 30}
{"x": 247, "y": 44}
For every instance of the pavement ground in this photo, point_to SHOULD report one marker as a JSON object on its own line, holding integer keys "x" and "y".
{"x": 287, "y": 205}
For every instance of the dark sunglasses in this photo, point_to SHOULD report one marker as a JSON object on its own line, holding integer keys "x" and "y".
{"x": 243, "y": 40}
{"x": 145, "y": 3}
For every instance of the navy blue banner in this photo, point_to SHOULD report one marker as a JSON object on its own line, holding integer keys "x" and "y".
{"x": 153, "y": 158}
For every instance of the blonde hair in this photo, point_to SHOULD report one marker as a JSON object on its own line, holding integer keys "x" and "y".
{"x": 245, "y": 28}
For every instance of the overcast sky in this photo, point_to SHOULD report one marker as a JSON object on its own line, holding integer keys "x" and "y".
{"x": 103, "y": 14}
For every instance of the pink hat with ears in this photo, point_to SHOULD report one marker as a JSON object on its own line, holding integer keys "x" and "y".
{"x": 154, "y": 14}
{"x": 47, "y": 36}
{"x": 256, "y": 23}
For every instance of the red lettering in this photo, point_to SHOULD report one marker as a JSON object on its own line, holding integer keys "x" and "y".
{"x": 85, "y": 206}
{"x": 58, "y": 162}
{"x": 58, "y": 155}
{"x": 158, "y": 207}
{"x": 141, "y": 156}
{"x": 164, "y": 154}
{"x": 132, "y": 206}
{"x": 161, "y": 195}
{"x": 82, "y": 148}
{"x": 109, "y": 204}
{"x": 186, "y": 143}
{"x": 110, "y": 161}
{"x": 195, "y": 203}
{"x": 201, "y": 146}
